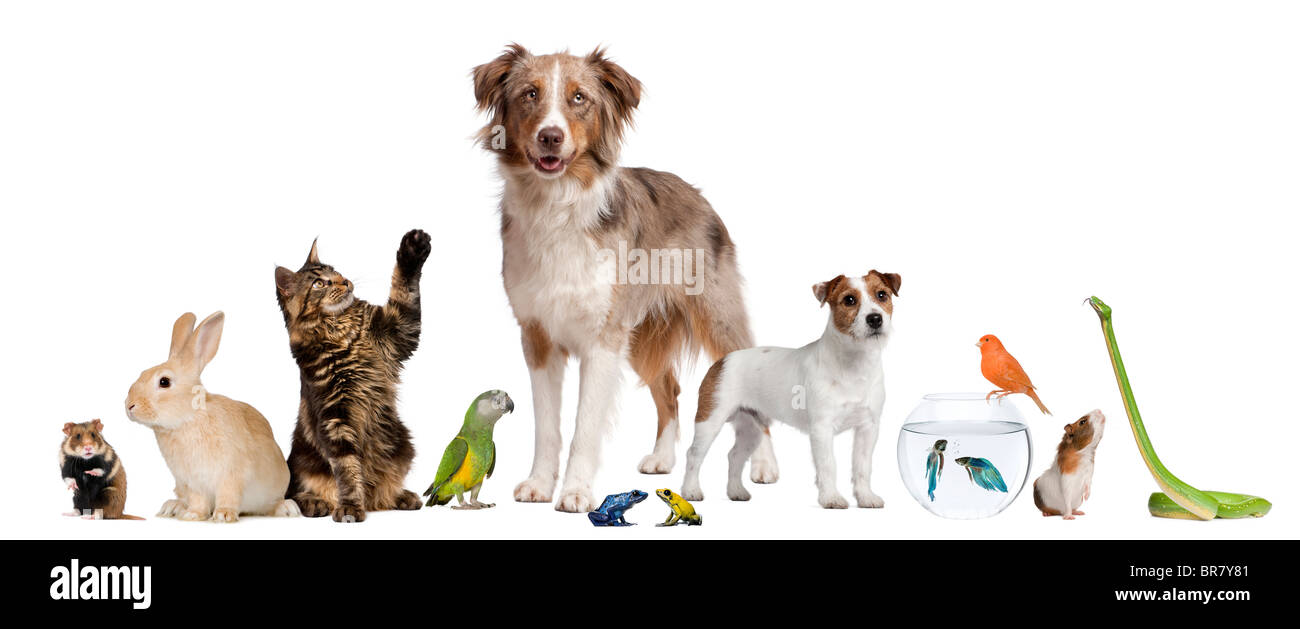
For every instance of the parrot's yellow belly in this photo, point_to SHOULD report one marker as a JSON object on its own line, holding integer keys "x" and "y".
{"x": 468, "y": 475}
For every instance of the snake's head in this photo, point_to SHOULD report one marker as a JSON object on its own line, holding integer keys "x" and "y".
{"x": 1100, "y": 306}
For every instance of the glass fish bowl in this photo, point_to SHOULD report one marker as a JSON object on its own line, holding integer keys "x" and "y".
{"x": 962, "y": 457}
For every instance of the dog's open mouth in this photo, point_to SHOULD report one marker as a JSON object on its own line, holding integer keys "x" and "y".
{"x": 549, "y": 163}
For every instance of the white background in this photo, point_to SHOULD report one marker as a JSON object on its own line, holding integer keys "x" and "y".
{"x": 1008, "y": 159}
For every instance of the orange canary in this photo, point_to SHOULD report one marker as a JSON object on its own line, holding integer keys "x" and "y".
{"x": 1002, "y": 369}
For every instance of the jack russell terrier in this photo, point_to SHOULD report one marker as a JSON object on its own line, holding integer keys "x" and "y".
{"x": 824, "y": 388}
{"x": 556, "y": 128}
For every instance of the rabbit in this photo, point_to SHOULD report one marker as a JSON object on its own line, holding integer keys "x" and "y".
{"x": 221, "y": 451}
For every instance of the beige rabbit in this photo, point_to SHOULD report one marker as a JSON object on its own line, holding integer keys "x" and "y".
{"x": 221, "y": 451}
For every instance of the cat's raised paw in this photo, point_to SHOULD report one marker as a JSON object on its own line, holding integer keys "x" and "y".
{"x": 415, "y": 249}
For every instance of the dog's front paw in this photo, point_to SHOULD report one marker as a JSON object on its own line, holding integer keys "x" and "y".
{"x": 534, "y": 490}
{"x": 348, "y": 514}
{"x": 763, "y": 471}
{"x": 656, "y": 464}
{"x": 832, "y": 500}
{"x": 172, "y": 508}
{"x": 868, "y": 500}
{"x": 737, "y": 493}
{"x": 192, "y": 515}
{"x": 225, "y": 514}
{"x": 575, "y": 501}
{"x": 693, "y": 493}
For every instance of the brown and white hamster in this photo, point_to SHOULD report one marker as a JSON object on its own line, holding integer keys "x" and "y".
{"x": 1062, "y": 489}
{"x": 94, "y": 473}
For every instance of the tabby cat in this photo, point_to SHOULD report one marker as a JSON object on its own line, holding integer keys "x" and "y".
{"x": 350, "y": 451}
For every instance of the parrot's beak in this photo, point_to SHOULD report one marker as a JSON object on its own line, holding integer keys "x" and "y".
{"x": 510, "y": 405}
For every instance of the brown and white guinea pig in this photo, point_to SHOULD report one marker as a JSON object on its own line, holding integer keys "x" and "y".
{"x": 94, "y": 473}
{"x": 1062, "y": 489}
{"x": 220, "y": 451}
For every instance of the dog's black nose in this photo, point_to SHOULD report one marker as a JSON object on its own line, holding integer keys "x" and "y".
{"x": 874, "y": 320}
{"x": 551, "y": 137}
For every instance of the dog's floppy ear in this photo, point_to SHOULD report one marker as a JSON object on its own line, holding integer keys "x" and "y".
{"x": 489, "y": 78}
{"x": 624, "y": 89}
{"x": 893, "y": 280}
{"x": 824, "y": 290}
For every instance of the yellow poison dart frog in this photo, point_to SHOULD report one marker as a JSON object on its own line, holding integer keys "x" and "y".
{"x": 682, "y": 510}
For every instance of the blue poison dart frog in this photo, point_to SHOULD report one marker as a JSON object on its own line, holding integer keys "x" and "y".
{"x": 610, "y": 512}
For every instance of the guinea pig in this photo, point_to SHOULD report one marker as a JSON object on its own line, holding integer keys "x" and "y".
{"x": 1062, "y": 489}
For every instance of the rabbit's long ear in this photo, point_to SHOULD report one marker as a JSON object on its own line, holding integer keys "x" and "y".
{"x": 181, "y": 331}
{"x": 207, "y": 337}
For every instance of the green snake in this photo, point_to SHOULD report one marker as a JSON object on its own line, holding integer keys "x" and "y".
{"x": 1178, "y": 500}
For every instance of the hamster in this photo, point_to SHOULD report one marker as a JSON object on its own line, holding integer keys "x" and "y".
{"x": 1062, "y": 489}
{"x": 94, "y": 473}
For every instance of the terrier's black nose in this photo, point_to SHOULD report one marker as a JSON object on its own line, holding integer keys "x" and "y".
{"x": 551, "y": 137}
{"x": 874, "y": 320}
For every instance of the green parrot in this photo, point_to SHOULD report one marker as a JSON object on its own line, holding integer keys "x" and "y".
{"x": 471, "y": 456}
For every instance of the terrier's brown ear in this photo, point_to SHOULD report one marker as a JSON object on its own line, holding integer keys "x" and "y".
{"x": 67, "y": 428}
{"x": 490, "y": 78}
{"x": 893, "y": 280}
{"x": 824, "y": 290}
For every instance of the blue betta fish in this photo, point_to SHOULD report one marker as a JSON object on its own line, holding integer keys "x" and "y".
{"x": 982, "y": 473}
{"x": 934, "y": 465}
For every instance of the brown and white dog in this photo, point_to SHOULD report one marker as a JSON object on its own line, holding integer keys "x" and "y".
{"x": 577, "y": 230}
{"x": 826, "y": 387}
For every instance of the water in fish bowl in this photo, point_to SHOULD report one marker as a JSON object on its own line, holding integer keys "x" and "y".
{"x": 964, "y": 469}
